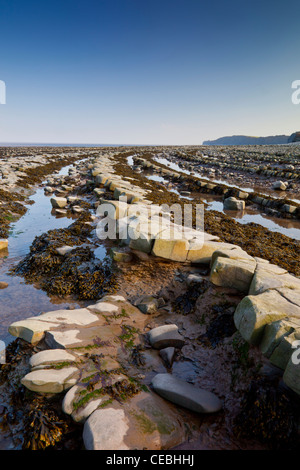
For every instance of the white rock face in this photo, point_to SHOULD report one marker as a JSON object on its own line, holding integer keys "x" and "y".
{"x": 184, "y": 394}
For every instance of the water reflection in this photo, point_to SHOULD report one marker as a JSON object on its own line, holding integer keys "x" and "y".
{"x": 255, "y": 188}
{"x": 288, "y": 227}
{"x": 20, "y": 300}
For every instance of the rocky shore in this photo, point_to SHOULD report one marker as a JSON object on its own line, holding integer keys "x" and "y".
{"x": 186, "y": 338}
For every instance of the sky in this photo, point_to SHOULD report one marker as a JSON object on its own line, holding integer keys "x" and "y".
{"x": 168, "y": 72}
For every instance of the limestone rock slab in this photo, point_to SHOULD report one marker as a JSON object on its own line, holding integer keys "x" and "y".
{"x": 184, "y": 394}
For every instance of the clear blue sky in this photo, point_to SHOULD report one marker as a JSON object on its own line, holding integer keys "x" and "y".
{"x": 147, "y": 72}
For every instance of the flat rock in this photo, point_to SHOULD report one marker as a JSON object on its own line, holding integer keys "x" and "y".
{"x": 51, "y": 380}
{"x": 78, "y": 316}
{"x": 31, "y": 330}
{"x": 113, "y": 298}
{"x": 264, "y": 280}
{"x": 164, "y": 336}
{"x": 184, "y": 394}
{"x": 63, "y": 339}
{"x": 50, "y": 356}
{"x": 103, "y": 307}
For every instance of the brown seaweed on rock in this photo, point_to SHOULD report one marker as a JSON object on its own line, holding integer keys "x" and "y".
{"x": 76, "y": 273}
{"x": 271, "y": 414}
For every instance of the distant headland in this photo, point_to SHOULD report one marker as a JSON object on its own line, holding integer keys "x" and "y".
{"x": 249, "y": 140}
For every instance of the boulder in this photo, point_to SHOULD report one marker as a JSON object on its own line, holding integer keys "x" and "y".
{"x": 254, "y": 312}
{"x": 96, "y": 171}
{"x": 64, "y": 339}
{"x": 175, "y": 250}
{"x": 279, "y": 186}
{"x": 233, "y": 273}
{"x": 230, "y": 251}
{"x": 264, "y": 280}
{"x": 58, "y": 202}
{"x": 113, "y": 298}
{"x": 147, "y": 304}
{"x": 289, "y": 208}
{"x": 164, "y": 336}
{"x": 233, "y": 204}
{"x": 242, "y": 195}
{"x": 167, "y": 355}
{"x": 283, "y": 351}
{"x": 202, "y": 252}
{"x": 48, "y": 189}
{"x": 143, "y": 422}
{"x": 274, "y": 333}
{"x": 99, "y": 191}
{"x": 101, "y": 179}
{"x": 184, "y": 394}
{"x": 144, "y": 243}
